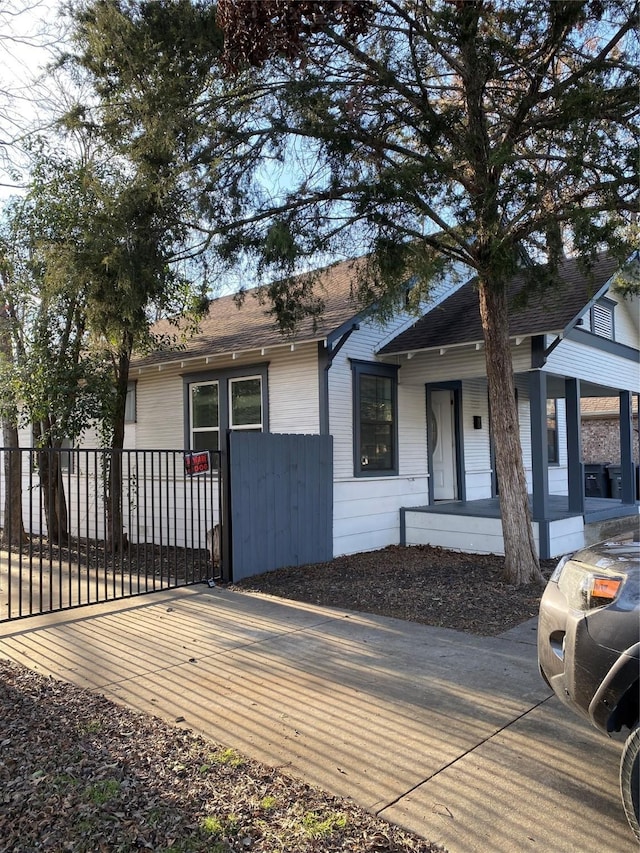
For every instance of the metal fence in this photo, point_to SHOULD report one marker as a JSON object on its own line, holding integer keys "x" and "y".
{"x": 66, "y": 539}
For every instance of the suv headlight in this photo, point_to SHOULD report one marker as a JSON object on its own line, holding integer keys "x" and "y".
{"x": 586, "y": 587}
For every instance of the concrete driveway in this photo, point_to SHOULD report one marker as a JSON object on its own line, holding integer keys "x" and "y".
{"x": 452, "y": 736}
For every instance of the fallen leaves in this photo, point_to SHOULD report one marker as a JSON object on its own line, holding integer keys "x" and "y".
{"x": 80, "y": 774}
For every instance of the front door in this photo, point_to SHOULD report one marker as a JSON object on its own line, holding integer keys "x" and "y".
{"x": 443, "y": 446}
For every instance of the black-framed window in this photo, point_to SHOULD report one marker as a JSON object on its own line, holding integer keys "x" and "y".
{"x": 552, "y": 432}
{"x": 215, "y": 401}
{"x": 204, "y": 415}
{"x": 601, "y": 318}
{"x": 130, "y": 404}
{"x": 375, "y": 419}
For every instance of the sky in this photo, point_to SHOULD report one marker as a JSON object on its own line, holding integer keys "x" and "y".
{"x": 29, "y": 31}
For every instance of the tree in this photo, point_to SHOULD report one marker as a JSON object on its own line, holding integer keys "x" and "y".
{"x": 53, "y": 376}
{"x": 13, "y": 531}
{"x": 147, "y": 65}
{"x": 496, "y": 135}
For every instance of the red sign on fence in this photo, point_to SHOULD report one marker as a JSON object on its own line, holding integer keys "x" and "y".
{"x": 197, "y": 463}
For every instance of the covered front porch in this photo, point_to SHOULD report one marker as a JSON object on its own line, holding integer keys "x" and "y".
{"x": 476, "y": 527}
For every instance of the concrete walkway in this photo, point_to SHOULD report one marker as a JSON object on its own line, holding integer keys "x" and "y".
{"x": 452, "y": 736}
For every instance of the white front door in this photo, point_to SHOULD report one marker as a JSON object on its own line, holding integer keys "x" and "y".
{"x": 443, "y": 450}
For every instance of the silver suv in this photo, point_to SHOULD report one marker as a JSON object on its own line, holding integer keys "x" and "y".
{"x": 589, "y": 647}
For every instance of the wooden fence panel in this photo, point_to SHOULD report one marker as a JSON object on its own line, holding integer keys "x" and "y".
{"x": 281, "y": 501}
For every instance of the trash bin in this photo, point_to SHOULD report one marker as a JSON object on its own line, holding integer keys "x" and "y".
{"x": 615, "y": 481}
{"x": 596, "y": 481}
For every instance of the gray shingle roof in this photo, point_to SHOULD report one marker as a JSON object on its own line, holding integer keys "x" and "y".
{"x": 229, "y": 328}
{"x": 456, "y": 320}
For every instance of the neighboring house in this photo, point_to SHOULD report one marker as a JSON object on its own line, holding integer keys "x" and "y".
{"x": 601, "y": 430}
{"x": 406, "y": 404}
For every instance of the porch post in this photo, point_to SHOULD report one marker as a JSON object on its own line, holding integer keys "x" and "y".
{"x": 627, "y": 468}
{"x": 539, "y": 449}
{"x": 575, "y": 468}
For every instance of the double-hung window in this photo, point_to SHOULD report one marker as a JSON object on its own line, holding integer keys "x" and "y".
{"x": 375, "y": 419}
{"x": 245, "y": 403}
{"x": 221, "y": 401}
{"x": 204, "y": 416}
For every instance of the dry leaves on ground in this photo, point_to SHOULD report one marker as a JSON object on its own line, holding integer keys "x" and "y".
{"x": 78, "y": 773}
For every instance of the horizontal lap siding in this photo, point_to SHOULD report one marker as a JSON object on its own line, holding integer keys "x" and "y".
{"x": 627, "y": 321}
{"x": 477, "y": 455}
{"x": 472, "y": 535}
{"x": 160, "y": 416}
{"x": 367, "y": 509}
{"x": 578, "y": 360}
{"x": 293, "y": 391}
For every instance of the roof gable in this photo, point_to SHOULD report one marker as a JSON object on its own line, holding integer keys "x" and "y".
{"x": 457, "y": 319}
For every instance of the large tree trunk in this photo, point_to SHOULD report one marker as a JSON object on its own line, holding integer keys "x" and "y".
{"x": 53, "y": 496}
{"x": 13, "y": 531}
{"x": 521, "y": 560}
{"x": 52, "y": 488}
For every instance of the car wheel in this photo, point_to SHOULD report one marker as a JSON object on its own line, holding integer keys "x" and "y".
{"x": 630, "y": 779}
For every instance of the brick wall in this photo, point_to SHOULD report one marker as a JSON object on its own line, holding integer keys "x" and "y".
{"x": 601, "y": 440}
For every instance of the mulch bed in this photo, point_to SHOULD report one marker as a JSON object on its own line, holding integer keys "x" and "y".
{"x": 420, "y": 583}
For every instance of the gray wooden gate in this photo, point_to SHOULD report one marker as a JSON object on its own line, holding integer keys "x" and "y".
{"x": 280, "y": 507}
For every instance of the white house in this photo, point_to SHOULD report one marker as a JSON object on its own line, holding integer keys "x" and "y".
{"x": 406, "y": 404}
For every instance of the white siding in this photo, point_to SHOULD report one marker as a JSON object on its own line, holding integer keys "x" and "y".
{"x": 361, "y": 345}
{"x": 366, "y": 512}
{"x": 367, "y": 509}
{"x": 160, "y": 416}
{"x": 293, "y": 391}
{"x": 626, "y": 320}
{"x": 457, "y": 363}
{"x": 477, "y": 454}
{"x": 484, "y": 535}
{"x": 581, "y": 361}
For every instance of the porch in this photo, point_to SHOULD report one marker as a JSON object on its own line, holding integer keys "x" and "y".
{"x": 475, "y": 526}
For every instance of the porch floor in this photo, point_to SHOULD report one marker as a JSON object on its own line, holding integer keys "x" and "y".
{"x": 596, "y": 509}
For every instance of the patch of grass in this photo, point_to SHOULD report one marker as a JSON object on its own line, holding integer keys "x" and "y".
{"x": 216, "y": 827}
{"x": 229, "y": 757}
{"x": 101, "y": 792}
{"x": 65, "y": 780}
{"x": 319, "y": 826}
{"x": 92, "y": 727}
{"x": 268, "y": 803}
{"x": 211, "y": 825}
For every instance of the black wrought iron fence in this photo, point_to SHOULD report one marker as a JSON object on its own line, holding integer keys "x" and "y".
{"x": 81, "y": 526}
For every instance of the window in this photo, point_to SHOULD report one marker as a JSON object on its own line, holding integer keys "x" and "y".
{"x": 130, "y": 404}
{"x": 215, "y": 402}
{"x": 66, "y": 456}
{"x": 375, "y": 419}
{"x": 245, "y": 403}
{"x": 601, "y": 318}
{"x": 204, "y": 416}
{"x": 552, "y": 432}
